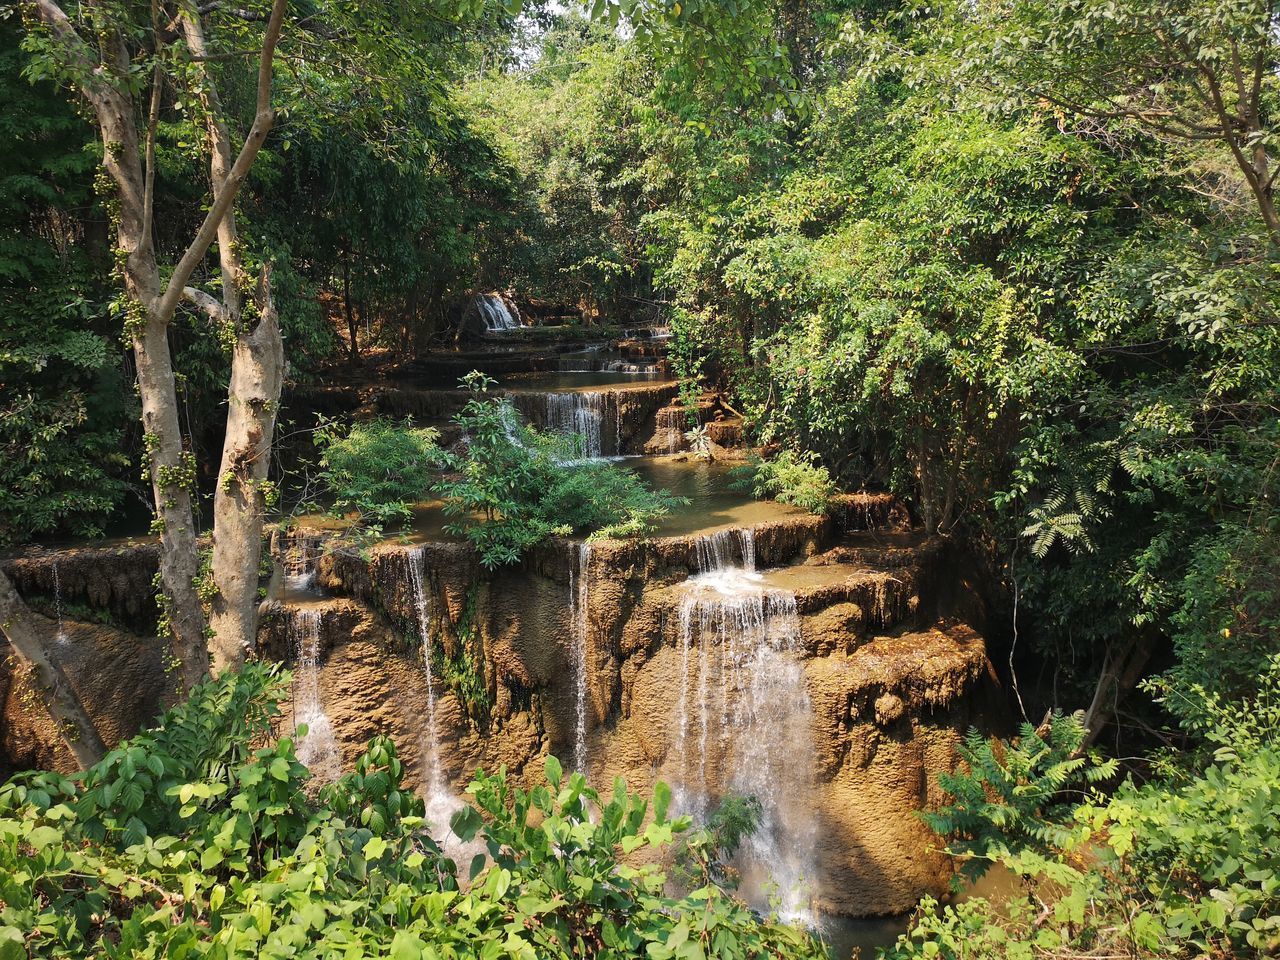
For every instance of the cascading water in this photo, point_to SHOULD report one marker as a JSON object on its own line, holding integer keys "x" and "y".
{"x": 743, "y": 717}
{"x": 579, "y": 595}
{"x": 496, "y": 314}
{"x": 587, "y": 414}
{"x": 441, "y": 802}
{"x": 318, "y": 750}
{"x": 60, "y": 636}
{"x": 422, "y": 605}
{"x": 300, "y": 564}
{"x": 719, "y": 551}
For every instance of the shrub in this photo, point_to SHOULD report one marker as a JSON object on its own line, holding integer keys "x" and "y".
{"x": 378, "y": 469}
{"x": 794, "y": 478}
{"x": 510, "y": 487}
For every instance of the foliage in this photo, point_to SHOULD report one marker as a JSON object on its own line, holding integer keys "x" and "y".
{"x": 1015, "y": 796}
{"x": 193, "y": 840}
{"x": 704, "y": 856}
{"x": 790, "y": 478}
{"x": 511, "y": 487}
{"x": 1183, "y": 866}
{"x": 377, "y": 469}
{"x": 62, "y": 467}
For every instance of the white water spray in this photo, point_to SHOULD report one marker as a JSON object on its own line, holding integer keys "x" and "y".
{"x": 585, "y": 413}
{"x": 497, "y": 316}
{"x": 743, "y": 717}
{"x": 318, "y": 751}
{"x": 579, "y": 595}
{"x": 60, "y": 637}
{"x": 422, "y": 605}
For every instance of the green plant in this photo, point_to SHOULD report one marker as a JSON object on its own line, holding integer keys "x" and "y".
{"x": 704, "y": 856}
{"x": 1015, "y": 796}
{"x": 510, "y": 487}
{"x": 789, "y": 477}
{"x": 377, "y": 469}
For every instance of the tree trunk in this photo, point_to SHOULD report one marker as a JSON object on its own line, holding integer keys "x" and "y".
{"x": 1120, "y": 674}
{"x": 353, "y": 350}
{"x": 172, "y": 476}
{"x": 253, "y": 399}
{"x": 240, "y": 501}
{"x": 28, "y": 641}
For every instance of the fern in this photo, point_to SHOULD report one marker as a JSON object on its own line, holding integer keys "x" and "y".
{"x": 1013, "y": 796}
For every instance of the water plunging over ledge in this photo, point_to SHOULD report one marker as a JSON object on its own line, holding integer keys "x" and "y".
{"x": 579, "y": 602}
{"x": 743, "y": 716}
{"x": 422, "y": 605}
{"x": 318, "y": 750}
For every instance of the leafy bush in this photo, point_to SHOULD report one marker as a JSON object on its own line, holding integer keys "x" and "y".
{"x": 1187, "y": 865}
{"x": 377, "y": 469}
{"x": 510, "y": 487}
{"x": 1012, "y": 796}
{"x": 794, "y": 478}
{"x": 705, "y": 855}
{"x": 191, "y": 841}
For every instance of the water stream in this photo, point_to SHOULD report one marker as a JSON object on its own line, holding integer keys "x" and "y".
{"x": 743, "y": 717}
{"x": 318, "y": 750}
{"x": 422, "y": 605}
{"x": 495, "y": 313}
{"x": 591, "y": 416}
{"x": 60, "y": 637}
{"x": 579, "y": 595}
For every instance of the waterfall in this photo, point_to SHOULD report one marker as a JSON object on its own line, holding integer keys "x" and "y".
{"x": 579, "y": 595}
{"x": 742, "y": 721}
{"x": 718, "y": 551}
{"x": 60, "y": 636}
{"x": 585, "y": 413}
{"x": 300, "y": 564}
{"x": 495, "y": 313}
{"x": 422, "y": 608}
{"x": 318, "y": 750}
{"x": 441, "y": 802}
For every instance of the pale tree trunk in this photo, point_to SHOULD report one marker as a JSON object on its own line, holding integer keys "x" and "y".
{"x": 102, "y": 65}
{"x": 29, "y": 643}
{"x": 253, "y": 399}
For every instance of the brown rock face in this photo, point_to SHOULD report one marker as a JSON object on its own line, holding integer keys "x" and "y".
{"x": 119, "y": 677}
{"x": 831, "y": 682}
{"x": 888, "y": 687}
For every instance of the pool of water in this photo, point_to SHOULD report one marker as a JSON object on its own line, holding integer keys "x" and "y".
{"x": 713, "y": 502}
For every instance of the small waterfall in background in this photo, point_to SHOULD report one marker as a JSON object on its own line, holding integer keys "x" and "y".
{"x": 743, "y": 717}
{"x": 300, "y": 564}
{"x": 579, "y": 595}
{"x": 671, "y": 421}
{"x": 720, "y": 550}
{"x": 318, "y": 750}
{"x": 587, "y": 414}
{"x": 497, "y": 316}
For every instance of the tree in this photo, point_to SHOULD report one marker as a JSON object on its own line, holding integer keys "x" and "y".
{"x": 1198, "y": 73}
{"x": 101, "y": 56}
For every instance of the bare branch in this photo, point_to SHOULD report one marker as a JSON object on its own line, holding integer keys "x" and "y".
{"x": 207, "y": 303}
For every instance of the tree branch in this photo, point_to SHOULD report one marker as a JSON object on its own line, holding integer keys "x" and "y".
{"x": 207, "y": 303}
{"x": 225, "y": 194}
